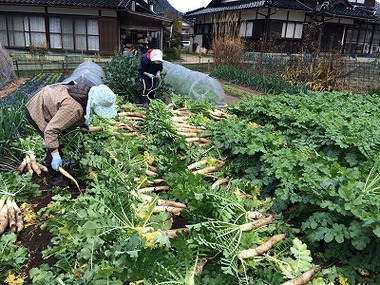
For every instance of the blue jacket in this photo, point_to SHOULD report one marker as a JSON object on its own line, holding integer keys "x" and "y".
{"x": 146, "y": 65}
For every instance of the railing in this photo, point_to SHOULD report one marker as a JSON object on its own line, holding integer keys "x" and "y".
{"x": 28, "y": 65}
{"x": 359, "y": 74}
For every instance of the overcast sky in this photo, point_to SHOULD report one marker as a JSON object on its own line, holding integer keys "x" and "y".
{"x": 188, "y": 5}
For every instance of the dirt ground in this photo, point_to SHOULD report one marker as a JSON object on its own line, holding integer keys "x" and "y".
{"x": 12, "y": 86}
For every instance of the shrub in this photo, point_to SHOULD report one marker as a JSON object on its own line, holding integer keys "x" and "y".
{"x": 227, "y": 50}
{"x": 121, "y": 76}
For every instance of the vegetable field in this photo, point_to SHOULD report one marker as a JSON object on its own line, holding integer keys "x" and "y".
{"x": 272, "y": 190}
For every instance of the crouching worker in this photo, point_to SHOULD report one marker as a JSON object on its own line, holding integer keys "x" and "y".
{"x": 60, "y": 107}
{"x": 150, "y": 73}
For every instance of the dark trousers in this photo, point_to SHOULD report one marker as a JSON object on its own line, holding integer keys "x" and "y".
{"x": 149, "y": 91}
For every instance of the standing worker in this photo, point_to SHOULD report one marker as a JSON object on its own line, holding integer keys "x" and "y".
{"x": 150, "y": 73}
{"x": 59, "y": 107}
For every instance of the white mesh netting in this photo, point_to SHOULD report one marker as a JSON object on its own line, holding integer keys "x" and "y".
{"x": 7, "y": 73}
{"x": 194, "y": 84}
{"x": 87, "y": 70}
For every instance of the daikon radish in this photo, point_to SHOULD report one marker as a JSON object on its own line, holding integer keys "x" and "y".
{"x": 19, "y": 217}
{"x": 153, "y": 189}
{"x": 248, "y": 253}
{"x": 254, "y": 215}
{"x": 22, "y": 166}
{"x": 3, "y": 218}
{"x": 219, "y": 182}
{"x": 219, "y": 164}
{"x": 302, "y": 279}
{"x": 197, "y": 164}
{"x": 11, "y": 216}
{"x": 161, "y": 202}
{"x": 68, "y": 175}
{"x": 257, "y": 224}
{"x": 169, "y": 209}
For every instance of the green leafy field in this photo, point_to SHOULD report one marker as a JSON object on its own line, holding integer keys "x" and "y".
{"x": 298, "y": 170}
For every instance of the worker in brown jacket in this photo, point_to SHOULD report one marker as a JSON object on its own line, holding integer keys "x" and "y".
{"x": 60, "y": 107}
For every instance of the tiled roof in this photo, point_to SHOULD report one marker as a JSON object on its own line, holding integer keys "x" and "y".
{"x": 78, "y": 3}
{"x": 310, "y": 6}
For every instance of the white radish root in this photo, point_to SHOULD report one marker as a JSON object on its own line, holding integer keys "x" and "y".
{"x": 197, "y": 164}
{"x": 92, "y": 129}
{"x": 254, "y": 215}
{"x": 68, "y": 175}
{"x": 19, "y": 217}
{"x": 21, "y": 167}
{"x": 3, "y": 218}
{"x": 252, "y": 252}
{"x": 219, "y": 182}
{"x": 219, "y": 164}
{"x": 257, "y": 224}
{"x": 169, "y": 209}
{"x": 150, "y": 173}
{"x": 153, "y": 189}
{"x": 30, "y": 163}
{"x": 11, "y": 216}
{"x": 161, "y": 202}
{"x": 302, "y": 279}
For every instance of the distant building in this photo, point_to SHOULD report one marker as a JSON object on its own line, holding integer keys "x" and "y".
{"x": 83, "y": 26}
{"x": 350, "y": 26}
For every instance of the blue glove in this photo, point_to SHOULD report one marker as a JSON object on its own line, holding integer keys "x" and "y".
{"x": 57, "y": 161}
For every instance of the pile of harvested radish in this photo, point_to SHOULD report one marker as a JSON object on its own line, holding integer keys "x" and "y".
{"x": 30, "y": 164}
{"x": 10, "y": 215}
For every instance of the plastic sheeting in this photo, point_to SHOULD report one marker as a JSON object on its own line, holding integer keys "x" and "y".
{"x": 87, "y": 70}
{"x": 7, "y": 73}
{"x": 194, "y": 84}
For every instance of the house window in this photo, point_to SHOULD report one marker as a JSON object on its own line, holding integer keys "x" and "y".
{"x": 207, "y": 28}
{"x": 357, "y": 1}
{"x": 35, "y": 31}
{"x": 291, "y": 30}
{"x": 74, "y": 34}
{"x": 246, "y": 29}
{"x": 3, "y": 30}
{"x": 23, "y": 31}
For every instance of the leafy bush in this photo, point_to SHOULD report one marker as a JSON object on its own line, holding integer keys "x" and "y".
{"x": 122, "y": 77}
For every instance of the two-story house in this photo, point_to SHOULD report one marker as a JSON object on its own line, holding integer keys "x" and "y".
{"x": 350, "y": 26}
{"x": 83, "y": 26}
